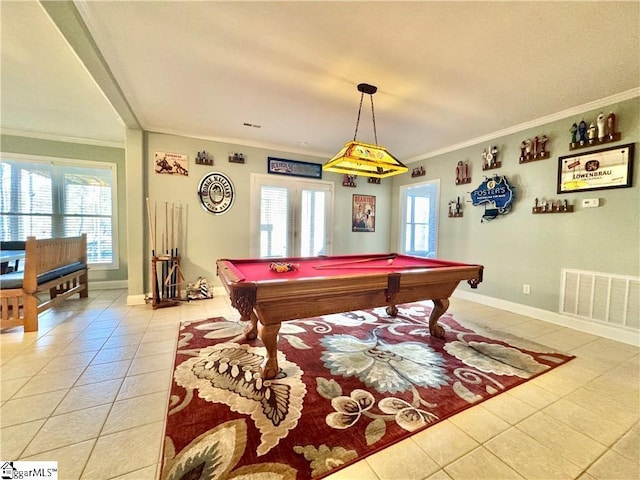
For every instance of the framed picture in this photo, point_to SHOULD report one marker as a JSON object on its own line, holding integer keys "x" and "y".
{"x": 597, "y": 170}
{"x": 364, "y": 213}
{"x": 294, "y": 168}
{"x": 171, "y": 163}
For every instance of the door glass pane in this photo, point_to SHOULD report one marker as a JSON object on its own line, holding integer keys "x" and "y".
{"x": 420, "y": 232}
{"x": 422, "y": 210}
{"x": 408, "y": 237}
{"x": 421, "y": 243}
{"x": 274, "y": 221}
{"x": 313, "y": 223}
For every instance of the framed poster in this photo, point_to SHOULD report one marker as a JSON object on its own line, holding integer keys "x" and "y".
{"x": 294, "y": 168}
{"x": 364, "y": 213}
{"x": 171, "y": 163}
{"x": 597, "y": 170}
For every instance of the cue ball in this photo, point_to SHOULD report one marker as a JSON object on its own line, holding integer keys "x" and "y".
{"x": 390, "y": 261}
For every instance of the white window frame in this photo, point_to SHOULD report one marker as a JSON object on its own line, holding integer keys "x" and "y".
{"x": 259, "y": 179}
{"x": 59, "y": 161}
{"x": 402, "y": 204}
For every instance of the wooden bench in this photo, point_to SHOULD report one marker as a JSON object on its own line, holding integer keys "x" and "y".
{"x": 54, "y": 266}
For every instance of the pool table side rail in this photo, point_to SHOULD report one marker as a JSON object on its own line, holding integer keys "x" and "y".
{"x": 308, "y": 297}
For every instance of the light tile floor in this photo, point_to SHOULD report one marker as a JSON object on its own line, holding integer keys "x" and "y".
{"x": 90, "y": 391}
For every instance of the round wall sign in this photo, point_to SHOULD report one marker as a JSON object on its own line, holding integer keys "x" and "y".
{"x": 216, "y": 193}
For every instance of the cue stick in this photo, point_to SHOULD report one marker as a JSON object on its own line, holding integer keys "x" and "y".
{"x": 165, "y": 266}
{"x": 350, "y": 262}
{"x": 152, "y": 236}
{"x": 171, "y": 286}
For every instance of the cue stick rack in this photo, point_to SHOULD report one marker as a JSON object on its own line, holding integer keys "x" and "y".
{"x": 166, "y": 276}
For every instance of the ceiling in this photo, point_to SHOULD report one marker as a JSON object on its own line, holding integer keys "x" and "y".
{"x": 446, "y": 72}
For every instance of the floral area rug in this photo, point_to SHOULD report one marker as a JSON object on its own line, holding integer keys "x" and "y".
{"x": 349, "y": 385}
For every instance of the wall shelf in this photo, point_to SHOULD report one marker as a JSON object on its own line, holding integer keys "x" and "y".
{"x": 540, "y": 156}
{"x": 455, "y": 215}
{"x": 492, "y": 167}
{"x": 554, "y": 209}
{"x": 595, "y": 141}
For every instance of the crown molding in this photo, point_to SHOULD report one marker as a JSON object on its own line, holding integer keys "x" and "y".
{"x": 61, "y": 138}
{"x": 245, "y": 143}
{"x": 603, "y": 102}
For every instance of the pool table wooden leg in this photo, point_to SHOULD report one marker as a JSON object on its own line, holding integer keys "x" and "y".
{"x": 269, "y": 337}
{"x": 439, "y": 307}
{"x": 251, "y": 330}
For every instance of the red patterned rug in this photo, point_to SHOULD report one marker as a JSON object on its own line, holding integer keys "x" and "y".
{"x": 350, "y": 384}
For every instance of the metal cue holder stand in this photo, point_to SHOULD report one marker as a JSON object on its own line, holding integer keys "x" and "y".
{"x": 166, "y": 288}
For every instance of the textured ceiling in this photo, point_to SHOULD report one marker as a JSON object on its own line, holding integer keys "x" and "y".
{"x": 446, "y": 72}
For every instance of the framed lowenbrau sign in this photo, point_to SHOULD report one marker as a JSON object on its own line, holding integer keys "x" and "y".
{"x": 597, "y": 170}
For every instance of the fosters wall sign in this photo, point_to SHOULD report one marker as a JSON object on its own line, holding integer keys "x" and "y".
{"x": 496, "y": 195}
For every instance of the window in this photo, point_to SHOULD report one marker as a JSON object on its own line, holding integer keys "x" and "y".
{"x": 292, "y": 217}
{"x": 419, "y": 230}
{"x": 59, "y": 198}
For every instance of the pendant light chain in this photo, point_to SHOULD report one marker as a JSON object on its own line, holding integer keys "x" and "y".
{"x": 358, "y": 120}
{"x": 373, "y": 116}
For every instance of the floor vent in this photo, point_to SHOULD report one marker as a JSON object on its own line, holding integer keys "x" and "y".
{"x": 601, "y": 297}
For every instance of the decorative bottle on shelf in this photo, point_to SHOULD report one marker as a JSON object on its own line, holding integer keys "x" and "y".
{"x": 611, "y": 125}
{"x": 601, "y": 122}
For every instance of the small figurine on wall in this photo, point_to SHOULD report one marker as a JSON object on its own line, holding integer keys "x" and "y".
{"x": 462, "y": 173}
{"x": 574, "y": 133}
{"x": 600, "y": 121}
{"x": 582, "y": 131}
{"x": 418, "y": 171}
{"x": 523, "y": 149}
{"x": 455, "y": 208}
{"x": 611, "y": 125}
{"x": 601, "y": 130}
{"x": 592, "y": 133}
{"x": 235, "y": 157}
{"x": 349, "y": 180}
{"x": 551, "y": 206}
{"x": 203, "y": 158}
{"x": 490, "y": 158}
{"x": 534, "y": 149}
{"x": 542, "y": 142}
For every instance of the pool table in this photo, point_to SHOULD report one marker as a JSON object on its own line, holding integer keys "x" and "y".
{"x": 333, "y": 284}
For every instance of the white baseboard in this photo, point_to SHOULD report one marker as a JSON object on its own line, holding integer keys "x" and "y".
{"x": 219, "y": 291}
{"x": 612, "y": 332}
{"x": 136, "y": 299}
{"x": 108, "y": 284}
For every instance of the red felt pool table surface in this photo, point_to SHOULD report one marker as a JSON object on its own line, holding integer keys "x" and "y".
{"x": 333, "y": 284}
{"x": 257, "y": 270}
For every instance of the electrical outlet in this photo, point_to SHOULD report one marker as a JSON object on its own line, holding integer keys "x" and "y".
{"x": 590, "y": 202}
{"x": 526, "y": 288}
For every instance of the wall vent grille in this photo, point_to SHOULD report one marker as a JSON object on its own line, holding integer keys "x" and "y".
{"x": 601, "y": 297}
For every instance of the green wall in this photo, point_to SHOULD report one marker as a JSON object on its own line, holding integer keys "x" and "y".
{"x": 209, "y": 237}
{"x": 522, "y": 248}
{"x": 516, "y": 249}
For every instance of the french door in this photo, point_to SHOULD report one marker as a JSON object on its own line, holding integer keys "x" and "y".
{"x": 290, "y": 217}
